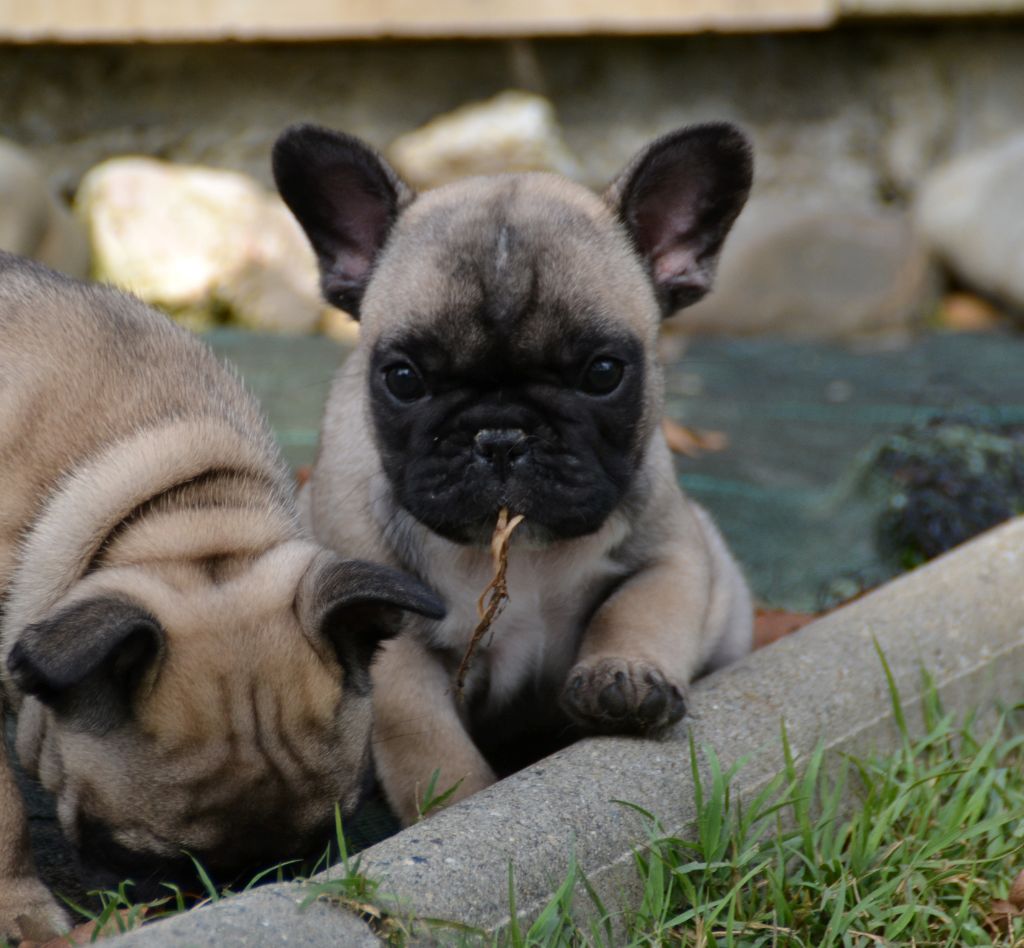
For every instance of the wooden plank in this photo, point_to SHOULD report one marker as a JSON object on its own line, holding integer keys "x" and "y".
{"x": 214, "y": 20}
{"x": 931, "y": 8}
{"x": 211, "y": 20}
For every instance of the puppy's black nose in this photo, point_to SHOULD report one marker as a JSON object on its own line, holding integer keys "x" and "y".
{"x": 501, "y": 448}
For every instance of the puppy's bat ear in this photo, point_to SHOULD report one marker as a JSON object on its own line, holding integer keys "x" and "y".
{"x": 678, "y": 198}
{"x": 346, "y": 198}
{"x": 87, "y": 661}
{"x": 351, "y": 606}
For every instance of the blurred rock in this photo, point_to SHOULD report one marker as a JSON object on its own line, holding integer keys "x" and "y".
{"x": 971, "y": 212}
{"x": 340, "y": 326}
{"x": 514, "y": 131}
{"x": 33, "y": 222}
{"x": 277, "y": 287}
{"x": 815, "y": 269}
{"x": 205, "y": 244}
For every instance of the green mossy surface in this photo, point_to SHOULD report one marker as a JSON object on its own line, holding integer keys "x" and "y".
{"x": 806, "y": 422}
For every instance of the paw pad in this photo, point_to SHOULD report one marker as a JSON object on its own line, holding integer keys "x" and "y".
{"x": 611, "y": 695}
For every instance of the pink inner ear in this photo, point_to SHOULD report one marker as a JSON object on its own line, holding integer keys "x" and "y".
{"x": 666, "y": 232}
{"x": 354, "y": 264}
{"x": 674, "y": 264}
{"x": 357, "y": 220}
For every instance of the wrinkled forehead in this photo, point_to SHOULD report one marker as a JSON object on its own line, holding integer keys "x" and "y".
{"x": 276, "y": 681}
{"x": 524, "y": 259}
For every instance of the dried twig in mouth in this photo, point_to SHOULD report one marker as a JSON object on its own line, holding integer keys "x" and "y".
{"x": 492, "y": 600}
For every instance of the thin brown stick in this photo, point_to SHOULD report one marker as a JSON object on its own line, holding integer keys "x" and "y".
{"x": 492, "y": 600}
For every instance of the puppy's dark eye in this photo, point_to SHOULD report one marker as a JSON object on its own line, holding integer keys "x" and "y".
{"x": 602, "y": 376}
{"x": 404, "y": 382}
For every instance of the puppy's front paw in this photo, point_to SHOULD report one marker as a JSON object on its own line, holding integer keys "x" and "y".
{"x": 621, "y": 696}
{"x": 29, "y": 911}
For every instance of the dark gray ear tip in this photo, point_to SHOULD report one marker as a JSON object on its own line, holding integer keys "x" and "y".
{"x": 293, "y": 141}
{"x": 47, "y": 661}
{"x": 730, "y": 140}
{"x": 393, "y": 587}
{"x": 728, "y": 134}
{"x": 296, "y": 132}
{"x": 22, "y": 672}
{"x": 722, "y": 141}
{"x": 295, "y": 147}
{"x": 431, "y": 606}
{"x": 717, "y": 152}
{"x": 305, "y": 142}
{"x": 309, "y": 133}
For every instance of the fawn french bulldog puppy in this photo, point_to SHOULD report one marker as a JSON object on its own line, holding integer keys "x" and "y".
{"x": 190, "y": 672}
{"x": 507, "y": 359}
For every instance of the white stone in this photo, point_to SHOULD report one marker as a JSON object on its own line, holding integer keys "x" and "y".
{"x": 514, "y": 131}
{"x": 971, "y": 212}
{"x": 340, "y": 326}
{"x": 200, "y": 241}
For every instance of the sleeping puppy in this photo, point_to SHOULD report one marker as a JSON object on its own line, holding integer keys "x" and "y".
{"x": 190, "y": 672}
{"x": 507, "y": 359}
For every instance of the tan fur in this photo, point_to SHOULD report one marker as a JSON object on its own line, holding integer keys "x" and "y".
{"x": 681, "y": 608}
{"x": 134, "y": 465}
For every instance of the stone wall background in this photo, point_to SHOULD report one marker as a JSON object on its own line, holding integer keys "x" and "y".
{"x": 848, "y": 126}
{"x": 859, "y": 113}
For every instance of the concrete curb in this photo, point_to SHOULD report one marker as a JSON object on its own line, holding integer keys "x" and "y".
{"x": 961, "y": 618}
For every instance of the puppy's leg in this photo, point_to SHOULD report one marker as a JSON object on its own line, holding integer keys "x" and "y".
{"x": 27, "y": 909}
{"x": 730, "y": 620}
{"x": 688, "y": 611}
{"x": 417, "y": 730}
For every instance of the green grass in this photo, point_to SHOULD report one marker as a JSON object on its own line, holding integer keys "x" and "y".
{"x": 118, "y": 911}
{"x": 907, "y": 849}
{"x": 431, "y": 799}
{"x": 935, "y": 834}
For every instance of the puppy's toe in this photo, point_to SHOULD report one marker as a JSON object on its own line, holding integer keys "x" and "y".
{"x": 29, "y": 912}
{"x": 612, "y": 699}
{"x": 621, "y": 696}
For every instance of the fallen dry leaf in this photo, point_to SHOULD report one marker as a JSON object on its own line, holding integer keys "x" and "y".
{"x": 495, "y": 594}
{"x": 1017, "y": 891}
{"x": 692, "y": 441}
{"x": 1002, "y": 912}
{"x": 85, "y": 933}
{"x": 964, "y": 312}
{"x": 770, "y": 625}
{"x": 999, "y": 920}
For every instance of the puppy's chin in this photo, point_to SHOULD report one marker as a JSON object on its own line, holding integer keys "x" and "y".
{"x": 480, "y": 533}
{"x": 103, "y": 863}
{"x": 466, "y": 513}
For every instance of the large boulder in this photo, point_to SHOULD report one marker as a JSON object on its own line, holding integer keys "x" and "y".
{"x": 204, "y": 244}
{"x": 815, "y": 269}
{"x": 971, "y": 212}
{"x": 33, "y": 222}
{"x": 514, "y": 131}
